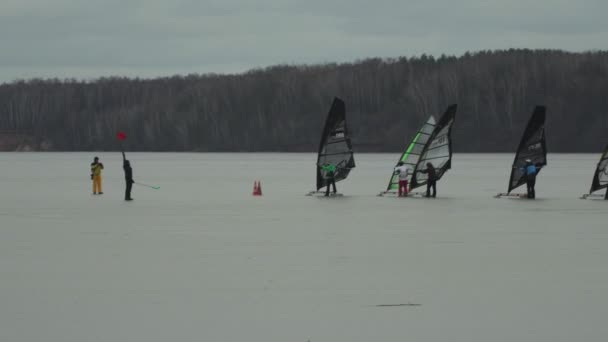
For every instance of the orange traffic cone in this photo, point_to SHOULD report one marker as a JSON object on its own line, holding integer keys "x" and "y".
{"x": 259, "y": 188}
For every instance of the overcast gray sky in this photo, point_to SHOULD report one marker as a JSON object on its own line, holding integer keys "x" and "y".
{"x": 148, "y": 38}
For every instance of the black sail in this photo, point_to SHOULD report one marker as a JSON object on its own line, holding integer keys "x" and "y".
{"x": 532, "y": 146}
{"x": 600, "y": 177}
{"x": 335, "y": 147}
{"x": 437, "y": 150}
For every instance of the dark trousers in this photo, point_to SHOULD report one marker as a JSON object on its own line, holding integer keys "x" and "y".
{"x": 128, "y": 190}
{"x": 530, "y": 183}
{"x": 431, "y": 184}
{"x": 330, "y": 181}
{"x": 606, "y": 195}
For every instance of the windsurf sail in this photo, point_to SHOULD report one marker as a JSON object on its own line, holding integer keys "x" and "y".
{"x": 532, "y": 146}
{"x": 335, "y": 147}
{"x": 412, "y": 154}
{"x": 437, "y": 150}
{"x": 600, "y": 177}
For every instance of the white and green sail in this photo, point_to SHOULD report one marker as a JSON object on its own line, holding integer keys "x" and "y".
{"x": 412, "y": 154}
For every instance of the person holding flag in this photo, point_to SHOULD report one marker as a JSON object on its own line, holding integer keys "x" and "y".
{"x": 126, "y": 166}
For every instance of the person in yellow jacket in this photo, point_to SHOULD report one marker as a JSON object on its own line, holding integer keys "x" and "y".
{"x": 96, "y": 168}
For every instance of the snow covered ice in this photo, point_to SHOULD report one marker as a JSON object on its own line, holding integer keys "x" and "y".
{"x": 203, "y": 260}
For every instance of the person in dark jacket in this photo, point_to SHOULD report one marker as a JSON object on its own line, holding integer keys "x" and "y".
{"x": 431, "y": 180}
{"x": 126, "y": 165}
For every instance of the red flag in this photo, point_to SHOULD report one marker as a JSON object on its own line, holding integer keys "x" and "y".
{"x": 121, "y": 136}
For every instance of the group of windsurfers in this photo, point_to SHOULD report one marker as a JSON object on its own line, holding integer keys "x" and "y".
{"x": 530, "y": 171}
{"x": 401, "y": 170}
{"x": 97, "y": 166}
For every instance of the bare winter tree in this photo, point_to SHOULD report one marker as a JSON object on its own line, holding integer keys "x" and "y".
{"x": 282, "y": 108}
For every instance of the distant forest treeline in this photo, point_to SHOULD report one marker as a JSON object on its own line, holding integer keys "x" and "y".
{"x": 283, "y": 108}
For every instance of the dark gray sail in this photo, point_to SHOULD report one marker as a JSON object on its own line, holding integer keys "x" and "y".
{"x": 335, "y": 147}
{"x": 532, "y": 146}
{"x": 600, "y": 177}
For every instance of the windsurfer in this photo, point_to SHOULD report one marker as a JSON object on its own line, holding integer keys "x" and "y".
{"x": 605, "y": 171}
{"x": 330, "y": 171}
{"x": 530, "y": 171}
{"x": 126, "y": 165}
{"x": 403, "y": 171}
{"x": 431, "y": 181}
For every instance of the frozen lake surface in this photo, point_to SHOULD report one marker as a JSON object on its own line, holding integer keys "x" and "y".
{"x": 202, "y": 260}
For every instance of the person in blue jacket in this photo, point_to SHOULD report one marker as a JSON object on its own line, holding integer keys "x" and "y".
{"x": 530, "y": 171}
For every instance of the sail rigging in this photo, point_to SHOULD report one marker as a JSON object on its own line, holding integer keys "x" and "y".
{"x": 437, "y": 150}
{"x": 411, "y": 155}
{"x": 335, "y": 147}
{"x": 532, "y": 146}
{"x": 600, "y": 177}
